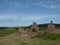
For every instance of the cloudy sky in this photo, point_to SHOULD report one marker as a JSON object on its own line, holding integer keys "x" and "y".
{"x": 24, "y": 12}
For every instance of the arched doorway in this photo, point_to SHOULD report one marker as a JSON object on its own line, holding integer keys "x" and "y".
{"x": 34, "y": 30}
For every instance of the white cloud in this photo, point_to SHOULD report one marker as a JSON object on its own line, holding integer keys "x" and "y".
{"x": 5, "y": 17}
{"x": 15, "y": 17}
{"x": 9, "y": 25}
{"x": 26, "y": 18}
{"x": 49, "y": 4}
{"x": 33, "y": 17}
{"x": 34, "y": 3}
{"x": 39, "y": 3}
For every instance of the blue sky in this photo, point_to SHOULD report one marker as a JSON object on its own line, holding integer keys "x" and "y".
{"x": 24, "y": 12}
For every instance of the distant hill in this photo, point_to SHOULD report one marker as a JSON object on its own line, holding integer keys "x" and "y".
{"x": 45, "y": 25}
{"x": 39, "y": 25}
{"x": 42, "y": 26}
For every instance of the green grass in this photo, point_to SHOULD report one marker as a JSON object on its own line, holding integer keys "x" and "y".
{"x": 4, "y": 32}
{"x": 50, "y": 36}
{"x": 14, "y": 39}
{"x": 8, "y": 37}
{"x": 43, "y": 28}
{"x": 9, "y": 30}
{"x": 26, "y": 40}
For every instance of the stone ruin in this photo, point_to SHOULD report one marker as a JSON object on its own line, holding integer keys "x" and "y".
{"x": 51, "y": 26}
{"x": 22, "y": 31}
{"x": 32, "y": 31}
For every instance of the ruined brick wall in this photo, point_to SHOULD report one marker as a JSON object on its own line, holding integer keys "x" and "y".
{"x": 51, "y": 26}
{"x": 34, "y": 29}
{"x": 22, "y": 31}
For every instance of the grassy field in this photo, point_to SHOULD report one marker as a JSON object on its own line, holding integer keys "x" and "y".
{"x": 8, "y": 36}
{"x": 6, "y": 31}
{"x": 14, "y": 39}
